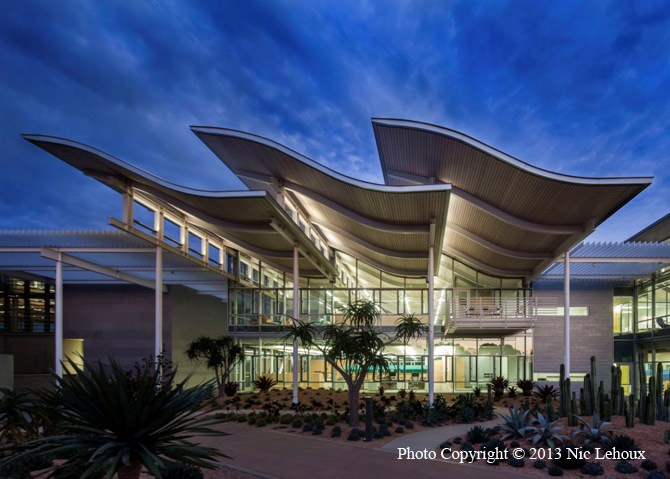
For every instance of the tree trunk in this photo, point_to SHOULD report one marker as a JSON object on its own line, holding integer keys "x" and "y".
{"x": 354, "y": 394}
{"x": 131, "y": 471}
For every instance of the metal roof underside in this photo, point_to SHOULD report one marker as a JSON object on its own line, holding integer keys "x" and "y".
{"x": 252, "y": 220}
{"x": 387, "y": 226}
{"x": 103, "y": 257}
{"x": 506, "y": 213}
{"x": 612, "y": 261}
{"x": 657, "y": 232}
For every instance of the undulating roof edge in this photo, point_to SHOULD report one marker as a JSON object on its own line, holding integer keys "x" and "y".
{"x": 504, "y": 157}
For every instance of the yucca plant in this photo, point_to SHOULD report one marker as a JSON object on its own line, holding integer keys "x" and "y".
{"x": 264, "y": 383}
{"x": 118, "y": 421}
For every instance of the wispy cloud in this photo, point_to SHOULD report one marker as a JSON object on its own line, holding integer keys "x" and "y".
{"x": 579, "y": 88}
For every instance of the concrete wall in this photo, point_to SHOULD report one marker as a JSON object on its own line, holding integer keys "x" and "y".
{"x": 114, "y": 321}
{"x": 193, "y": 315}
{"x": 589, "y": 335}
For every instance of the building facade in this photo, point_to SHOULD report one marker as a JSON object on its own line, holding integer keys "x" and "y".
{"x": 468, "y": 239}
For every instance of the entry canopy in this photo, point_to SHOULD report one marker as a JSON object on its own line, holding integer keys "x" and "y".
{"x": 442, "y": 189}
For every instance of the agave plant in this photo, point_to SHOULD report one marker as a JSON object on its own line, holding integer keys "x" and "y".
{"x": 118, "y": 421}
{"x": 516, "y": 424}
{"x": 17, "y": 418}
{"x": 545, "y": 432}
{"x": 594, "y": 432}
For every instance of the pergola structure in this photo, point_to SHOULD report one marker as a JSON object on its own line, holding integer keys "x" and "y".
{"x": 444, "y": 194}
{"x": 105, "y": 257}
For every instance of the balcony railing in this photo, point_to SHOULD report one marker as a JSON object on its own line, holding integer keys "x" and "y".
{"x": 495, "y": 314}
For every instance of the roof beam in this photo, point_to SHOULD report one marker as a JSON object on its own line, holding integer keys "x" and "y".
{"x": 306, "y": 254}
{"x": 364, "y": 220}
{"x": 497, "y": 248}
{"x": 513, "y": 220}
{"x": 56, "y": 255}
{"x": 484, "y": 267}
{"x": 372, "y": 247}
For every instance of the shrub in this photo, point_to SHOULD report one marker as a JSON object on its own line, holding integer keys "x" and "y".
{"x": 251, "y": 420}
{"x": 286, "y": 419}
{"x": 545, "y": 391}
{"x": 648, "y": 465}
{"x": 499, "y": 384}
{"x": 355, "y": 434}
{"x": 569, "y": 458}
{"x": 296, "y": 424}
{"x": 17, "y": 421}
{"x": 336, "y": 431}
{"x": 511, "y": 392}
{"x": 625, "y": 467}
{"x": 555, "y": 471}
{"x": 409, "y": 425}
{"x": 445, "y": 444}
{"x": 308, "y": 427}
{"x": 493, "y": 447}
{"x": 231, "y": 388}
{"x": 592, "y": 469}
{"x": 539, "y": 464}
{"x": 656, "y": 475}
{"x": 526, "y": 386}
{"x": 176, "y": 470}
{"x": 478, "y": 434}
{"x": 515, "y": 461}
{"x": 261, "y": 423}
{"x": 622, "y": 442}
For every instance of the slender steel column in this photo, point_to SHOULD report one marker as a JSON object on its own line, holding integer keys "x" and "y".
{"x": 566, "y": 322}
{"x": 296, "y": 316}
{"x": 59, "y": 317}
{"x": 431, "y": 326}
{"x": 158, "y": 328}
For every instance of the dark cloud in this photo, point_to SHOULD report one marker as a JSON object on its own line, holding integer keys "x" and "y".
{"x": 575, "y": 87}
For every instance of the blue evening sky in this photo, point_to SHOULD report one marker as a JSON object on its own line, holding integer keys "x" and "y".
{"x": 581, "y": 88}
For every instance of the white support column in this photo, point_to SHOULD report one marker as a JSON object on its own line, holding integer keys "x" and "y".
{"x": 296, "y": 315}
{"x": 59, "y": 317}
{"x": 158, "y": 328}
{"x": 566, "y": 307}
{"x": 431, "y": 326}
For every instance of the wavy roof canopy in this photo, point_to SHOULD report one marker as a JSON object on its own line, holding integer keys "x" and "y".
{"x": 472, "y": 202}
{"x": 504, "y": 214}
{"x": 390, "y": 227}
{"x": 252, "y": 220}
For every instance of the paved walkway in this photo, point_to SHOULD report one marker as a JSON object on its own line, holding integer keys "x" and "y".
{"x": 274, "y": 454}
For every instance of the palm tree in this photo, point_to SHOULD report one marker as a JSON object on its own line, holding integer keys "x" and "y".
{"x": 120, "y": 421}
{"x": 408, "y": 327}
{"x": 220, "y": 354}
